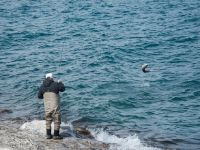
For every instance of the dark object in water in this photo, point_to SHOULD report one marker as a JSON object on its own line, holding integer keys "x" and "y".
{"x": 145, "y": 68}
{"x": 5, "y": 111}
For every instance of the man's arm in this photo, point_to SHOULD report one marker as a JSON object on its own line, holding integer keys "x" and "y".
{"x": 61, "y": 87}
{"x": 40, "y": 93}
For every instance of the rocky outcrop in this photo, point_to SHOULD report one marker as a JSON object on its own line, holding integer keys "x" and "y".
{"x": 16, "y": 139}
{"x": 83, "y": 132}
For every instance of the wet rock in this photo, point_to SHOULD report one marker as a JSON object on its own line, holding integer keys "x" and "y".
{"x": 14, "y": 138}
{"x": 2, "y": 111}
{"x": 83, "y": 133}
{"x": 17, "y": 120}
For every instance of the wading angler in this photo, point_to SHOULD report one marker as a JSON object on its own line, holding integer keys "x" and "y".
{"x": 49, "y": 91}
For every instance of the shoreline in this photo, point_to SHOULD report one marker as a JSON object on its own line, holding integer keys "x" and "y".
{"x": 26, "y": 133}
{"x": 13, "y": 138}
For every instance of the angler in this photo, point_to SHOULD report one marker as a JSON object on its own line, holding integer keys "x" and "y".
{"x": 49, "y": 90}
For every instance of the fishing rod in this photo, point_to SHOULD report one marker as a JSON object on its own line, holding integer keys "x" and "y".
{"x": 59, "y": 67}
{"x": 60, "y": 64}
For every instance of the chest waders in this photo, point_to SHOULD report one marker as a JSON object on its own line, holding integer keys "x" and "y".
{"x": 52, "y": 110}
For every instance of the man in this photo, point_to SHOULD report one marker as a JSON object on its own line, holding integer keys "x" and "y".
{"x": 49, "y": 90}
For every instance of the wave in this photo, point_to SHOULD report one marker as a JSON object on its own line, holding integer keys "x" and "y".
{"x": 39, "y": 127}
{"x": 131, "y": 142}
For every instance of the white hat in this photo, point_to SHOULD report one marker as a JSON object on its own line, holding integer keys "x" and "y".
{"x": 49, "y": 75}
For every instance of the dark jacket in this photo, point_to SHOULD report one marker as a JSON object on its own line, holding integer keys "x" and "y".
{"x": 49, "y": 85}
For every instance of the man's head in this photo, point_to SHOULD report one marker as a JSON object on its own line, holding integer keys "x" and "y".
{"x": 49, "y": 75}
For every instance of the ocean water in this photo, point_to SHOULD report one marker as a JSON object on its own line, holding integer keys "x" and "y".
{"x": 97, "y": 49}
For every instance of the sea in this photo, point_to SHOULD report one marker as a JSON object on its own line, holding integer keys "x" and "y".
{"x": 96, "y": 48}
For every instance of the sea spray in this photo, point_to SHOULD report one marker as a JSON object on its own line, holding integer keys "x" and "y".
{"x": 131, "y": 142}
{"x": 14, "y": 139}
{"x": 39, "y": 126}
{"x": 97, "y": 49}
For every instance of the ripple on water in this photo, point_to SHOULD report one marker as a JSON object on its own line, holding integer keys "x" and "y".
{"x": 97, "y": 49}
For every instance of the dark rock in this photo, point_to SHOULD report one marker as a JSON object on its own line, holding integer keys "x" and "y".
{"x": 83, "y": 133}
{"x": 5, "y": 111}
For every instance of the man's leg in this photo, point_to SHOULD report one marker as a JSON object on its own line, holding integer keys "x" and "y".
{"x": 57, "y": 122}
{"x": 49, "y": 120}
{"x": 49, "y": 104}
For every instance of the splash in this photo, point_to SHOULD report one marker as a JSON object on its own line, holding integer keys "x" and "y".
{"x": 131, "y": 142}
{"x": 118, "y": 143}
{"x": 39, "y": 126}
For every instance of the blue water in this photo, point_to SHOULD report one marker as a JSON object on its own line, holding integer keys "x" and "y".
{"x": 97, "y": 48}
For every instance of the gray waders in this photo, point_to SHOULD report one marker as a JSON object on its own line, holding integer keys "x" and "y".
{"x": 52, "y": 110}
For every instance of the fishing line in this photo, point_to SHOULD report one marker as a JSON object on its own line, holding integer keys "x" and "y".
{"x": 60, "y": 63}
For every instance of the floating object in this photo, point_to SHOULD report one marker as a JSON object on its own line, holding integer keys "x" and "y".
{"x": 8, "y": 111}
{"x": 145, "y": 68}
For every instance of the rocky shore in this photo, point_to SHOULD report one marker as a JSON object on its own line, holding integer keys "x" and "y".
{"x": 16, "y": 139}
{"x": 25, "y": 133}
{"x": 13, "y": 137}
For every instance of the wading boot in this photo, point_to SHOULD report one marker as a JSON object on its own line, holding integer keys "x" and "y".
{"x": 49, "y": 136}
{"x": 56, "y": 135}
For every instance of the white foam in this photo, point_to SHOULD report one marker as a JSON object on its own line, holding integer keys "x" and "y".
{"x": 118, "y": 143}
{"x": 35, "y": 126}
{"x": 39, "y": 126}
{"x": 131, "y": 142}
